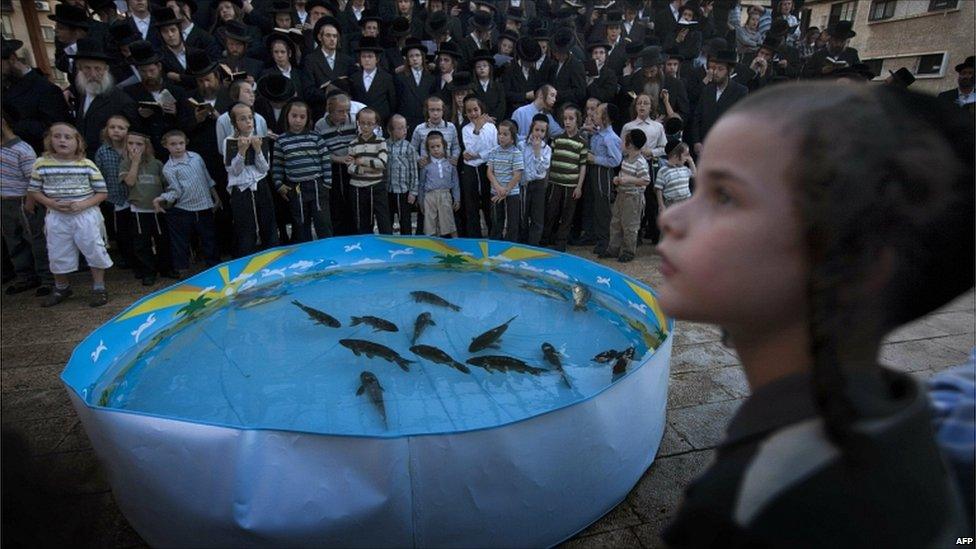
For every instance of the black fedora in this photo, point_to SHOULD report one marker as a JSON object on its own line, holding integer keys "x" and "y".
{"x": 142, "y": 53}
{"x": 329, "y": 6}
{"x": 369, "y": 43}
{"x": 770, "y": 43}
{"x": 462, "y": 80}
{"x": 292, "y": 40}
{"x": 70, "y": 16}
{"x": 508, "y": 35}
{"x": 164, "y": 17}
{"x": 969, "y": 63}
{"x": 123, "y": 33}
{"x": 528, "y": 49}
{"x": 515, "y": 14}
{"x": 632, "y": 49}
{"x": 486, "y": 4}
{"x": 597, "y": 43}
{"x": 9, "y": 47}
{"x": 482, "y": 55}
{"x": 198, "y": 63}
{"x": 562, "y": 40}
{"x": 370, "y": 15}
{"x": 99, "y": 5}
{"x": 903, "y": 77}
{"x": 450, "y": 48}
{"x": 673, "y": 53}
{"x": 323, "y": 21}
{"x": 90, "y": 48}
{"x": 842, "y": 30}
{"x": 413, "y": 43}
{"x": 235, "y": 30}
{"x": 725, "y": 56}
{"x": 400, "y": 27}
{"x": 614, "y": 17}
{"x": 281, "y": 6}
{"x": 651, "y": 55}
{"x": 481, "y": 20}
{"x": 276, "y": 87}
{"x": 436, "y": 24}
{"x": 540, "y": 34}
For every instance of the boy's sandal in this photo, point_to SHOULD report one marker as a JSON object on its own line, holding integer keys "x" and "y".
{"x": 57, "y": 296}
{"x": 99, "y": 298}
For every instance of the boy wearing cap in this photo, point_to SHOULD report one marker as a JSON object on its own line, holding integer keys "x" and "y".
{"x": 629, "y": 205}
{"x": 521, "y": 76}
{"x": 373, "y": 85}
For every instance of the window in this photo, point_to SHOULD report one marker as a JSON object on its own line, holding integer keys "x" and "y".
{"x": 6, "y": 27}
{"x": 40, "y": 5}
{"x": 881, "y": 9}
{"x": 937, "y": 5}
{"x": 48, "y": 33}
{"x": 841, "y": 11}
{"x": 875, "y": 65}
{"x": 930, "y": 64}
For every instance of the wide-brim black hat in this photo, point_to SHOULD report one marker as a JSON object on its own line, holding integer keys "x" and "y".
{"x": 481, "y": 20}
{"x": 969, "y": 63}
{"x": 614, "y": 17}
{"x": 323, "y": 21}
{"x": 293, "y": 41}
{"x": 485, "y": 3}
{"x": 329, "y": 5}
{"x": 450, "y": 48}
{"x": 90, "y": 48}
{"x": 9, "y": 47}
{"x": 728, "y": 57}
{"x": 98, "y": 5}
{"x": 528, "y": 49}
{"x": 370, "y": 15}
{"x": 281, "y": 6}
{"x": 198, "y": 63}
{"x": 122, "y": 32}
{"x": 482, "y": 55}
{"x": 515, "y": 14}
{"x": 413, "y": 43}
{"x": 71, "y": 16}
{"x": 436, "y": 24}
{"x": 141, "y": 53}
{"x": 276, "y": 87}
{"x": 235, "y": 30}
{"x": 399, "y": 27}
{"x": 369, "y": 43}
{"x": 842, "y": 30}
{"x": 632, "y": 49}
{"x": 673, "y": 53}
{"x": 562, "y": 40}
{"x": 651, "y": 55}
{"x": 597, "y": 43}
{"x": 903, "y": 76}
{"x": 508, "y": 35}
{"x": 770, "y": 43}
{"x": 163, "y": 17}
{"x": 462, "y": 80}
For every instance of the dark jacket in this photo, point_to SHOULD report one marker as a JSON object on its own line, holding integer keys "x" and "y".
{"x": 160, "y": 122}
{"x": 494, "y": 99}
{"x": 412, "y": 97}
{"x": 298, "y": 79}
{"x": 32, "y": 104}
{"x": 604, "y": 86}
{"x": 203, "y": 40}
{"x": 815, "y": 64}
{"x": 172, "y": 64}
{"x": 709, "y": 111}
{"x": 103, "y": 107}
{"x": 319, "y": 73}
{"x": 517, "y": 85}
{"x": 569, "y": 81}
{"x": 202, "y": 135}
{"x": 381, "y": 96}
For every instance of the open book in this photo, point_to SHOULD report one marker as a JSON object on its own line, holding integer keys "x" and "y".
{"x": 230, "y": 151}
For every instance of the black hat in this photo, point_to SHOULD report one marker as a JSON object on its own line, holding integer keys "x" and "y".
{"x": 99, "y": 5}
{"x": 527, "y": 49}
{"x": 369, "y": 43}
{"x": 69, "y": 15}
{"x": 562, "y": 40}
{"x": 90, "y": 48}
{"x": 672, "y": 144}
{"x": 436, "y": 24}
{"x": 192, "y": 4}
{"x": 142, "y": 53}
{"x": 633, "y": 4}
{"x": 399, "y": 27}
{"x": 540, "y": 34}
{"x": 515, "y": 14}
{"x": 615, "y": 17}
{"x": 164, "y": 17}
{"x": 482, "y": 55}
{"x": 637, "y": 138}
{"x": 673, "y": 53}
{"x": 771, "y": 43}
{"x": 292, "y": 40}
{"x": 462, "y": 80}
{"x": 597, "y": 43}
{"x": 413, "y": 43}
{"x": 281, "y": 6}
{"x": 486, "y": 4}
{"x": 903, "y": 77}
{"x": 716, "y": 44}
{"x": 651, "y": 55}
{"x": 323, "y": 21}
{"x": 9, "y": 47}
{"x": 276, "y": 87}
{"x": 968, "y": 63}
{"x": 370, "y": 15}
{"x": 778, "y": 28}
{"x": 236, "y": 31}
{"x": 632, "y": 49}
{"x": 122, "y": 32}
{"x": 329, "y": 5}
{"x": 842, "y": 29}
{"x": 238, "y": 3}
{"x": 198, "y": 63}
{"x": 508, "y": 35}
{"x": 565, "y": 12}
{"x": 481, "y": 20}
{"x": 725, "y": 56}
{"x": 450, "y": 48}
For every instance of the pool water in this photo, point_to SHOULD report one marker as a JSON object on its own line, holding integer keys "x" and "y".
{"x": 260, "y": 361}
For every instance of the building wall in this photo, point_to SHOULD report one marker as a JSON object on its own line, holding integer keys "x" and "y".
{"x": 911, "y": 32}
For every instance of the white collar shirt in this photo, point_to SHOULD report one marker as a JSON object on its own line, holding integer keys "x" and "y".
{"x": 368, "y": 78}
{"x": 142, "y": 25}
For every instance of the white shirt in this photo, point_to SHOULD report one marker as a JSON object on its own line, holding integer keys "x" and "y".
{"x": 71, "y": 49}
{"x": 525, "y": 72}
{"x": 417, "y": 74}
{"x": 88, "y": 102}
{"x": 330, "y": 59}
{"x": 538, "y": 64}
{"x": 142, "y": 25}
{"x": 719, "y": 91}
{"x": 186, "y": 32}
{"x": 181, "y": 56}
{"x": 654, "y": 130}
{"x": 358, "y": 12}
{"x": 628, "y": 25}
{"x": 484, "y": 85}
{"x": 965, "y": 99}
{"x": 476, "y": 41}
{"x": 302, "y": 16}
{"x": 285, "y": 72}
{"x": 481, "y": 143}
{"x": 368, "y": 78}
{"x": 674, "y": 12}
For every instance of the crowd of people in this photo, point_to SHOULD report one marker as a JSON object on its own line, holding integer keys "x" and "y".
{"x": 216, "y": 128}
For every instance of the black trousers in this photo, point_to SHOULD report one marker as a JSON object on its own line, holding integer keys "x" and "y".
{"x": 254, "y": 222}
{"x": 151, "y": 232}
{"x": 560, "y": 209}
{"x": 475, "y": 201}
{"x": 602, "y": 196}
{"x": 123, "y": 225}
{"x": 309, "y": 206}
{"x": 506, "y": 218}
{"x": 183, "y": 226}
{"x": 401, "y": 209}
{"x": 369, "y": 204}
{"x": 223, "y": 218}
{"x": 534, "y": 211}
{"x": 649, "y": 223}
{"x": 341, "y": 205}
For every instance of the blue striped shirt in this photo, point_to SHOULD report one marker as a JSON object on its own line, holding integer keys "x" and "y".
{"x": 108, "y": 160}
{"x": 72, "y": 180}
{"x": 402, "y": 167}
{"x": 300, "y": 157}
{"x": 189, "y": 183}
{"x": 504, "y": 163}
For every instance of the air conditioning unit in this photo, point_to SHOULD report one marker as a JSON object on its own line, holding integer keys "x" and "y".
{"x": 40, "y": 5}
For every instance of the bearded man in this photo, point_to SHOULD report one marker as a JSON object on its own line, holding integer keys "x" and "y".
{"x": 97, "y": 98}
{"x": 31, "y": 102}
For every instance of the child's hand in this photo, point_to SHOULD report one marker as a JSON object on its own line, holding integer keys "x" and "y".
{"x": 454, "y": 161}
{"x": 29, "y": 204}
{"x": 617, "y": 181}
{"x": 158, "y": 205}
{"x": 348, "y": 159}
{"x": 590, "y": 158}
{"x": 468, "y": 155}
{"x": 577, "y": 193}
{"x": 457, "y": 206}
{"x": 283, "y": 191}
{"x": 75, "y": 206}
{"x": 256, "y": 143}
{"x": 272, "y": 136}
{"x": 423, "y": 162}
{"x": 216, "y": 199}
{"x": 135, "y": 157}
{"x": 242, "y": 145}
{"x": 411, "y": 199}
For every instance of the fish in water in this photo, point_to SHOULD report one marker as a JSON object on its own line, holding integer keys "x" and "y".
{"x": 623, "y": 360}
{"x": 423, "y": 320}
{"x": 489, "y": 338}
{"x": 370, "y": 349}
{"x": 544, "y": 292}
{"x": 421, "y": 296}
{"x": 371, "y": 386}
{"x": 438, "y": 356}
{"x": 581, "y": 294}
{"x": 378, "y": 324}
{"x": 552, "y": 357}
{"x": 606, "y": 356}
{"x": 318, "y": 316}
{"x": 504, "y": 364}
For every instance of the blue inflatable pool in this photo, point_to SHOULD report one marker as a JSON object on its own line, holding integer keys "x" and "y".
{"x": 378, "y": 391}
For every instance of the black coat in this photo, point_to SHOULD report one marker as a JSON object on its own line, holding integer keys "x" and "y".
{"x": 103, "y": 107}
{"x": 319, "y": 73}
{"x": 604, "y": 86}
{"x": 298, "y": 78}
{"x": 203, "y": 40}
{"x": 381, "y": 97}
{"x": 678, "y": 96}
{"x": 815, "y": 64}
{"x": 160, "y": 122}
{"x": 172, "y": 64}
{"x": 412, "y": 97}
{"x": 569, "y": 81}
{"x": 494, "y": 99}
{"x": 517, "y": 85}
{"x": 638, "y": 31}
{"x": 664, "y": 22}
{"x": 250, "y": 65}
{"x": 709, "y": 111}
{"x": 32, "y": 104}
{"x": 202, "y": 136}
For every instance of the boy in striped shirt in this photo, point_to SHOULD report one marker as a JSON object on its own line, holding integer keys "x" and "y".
{"x": 566, "y": 174}
{"x": 302, "y": 174}
{"x": 367, "y": 161}
{"x": 505, "y": 166}
{"x": 635, "y": 176}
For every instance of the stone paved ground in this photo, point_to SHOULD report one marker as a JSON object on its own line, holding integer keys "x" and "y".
{"x": 55, "y": 492}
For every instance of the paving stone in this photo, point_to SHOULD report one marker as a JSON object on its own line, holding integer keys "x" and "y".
{"x": 918, "y": 329}
{"x": 701, "y": 356}
{"x": 619, "y": 517}
{"x": 953, "y": 322}
{"x": 31, "y": 378}
{"x": 27, "y": 354}
{"x": 617, "y": 538}
{"x": 72, "y": 473}
{"x": 703, "y": 426}
{"x": 30, "y": 405}
{"x": 687, "y": 333}
{"x": 43, "y": 436}
{"x": 699, "y": 387}
{"x": 672, "y": 443}
{"x": 658, "y": 494}
{"x": 909, "y": 356}
{"x": 732, "y": 379}
{"x": 963, "y": 343}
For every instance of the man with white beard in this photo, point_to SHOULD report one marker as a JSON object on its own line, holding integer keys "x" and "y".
{"x": 96, "y": 96}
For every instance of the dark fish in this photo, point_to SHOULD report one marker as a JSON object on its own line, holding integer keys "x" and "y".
{"x": 371, "y": 386}
{"x": 623, "y": 360}
{"x": 318, "y": 316}
{"x": 423, "y": 320}
{"x": 438, "y": 356}
{"x": 606, "y": 356}
{"x": 370, "y": 349}
{"x": 552, "y": 357}
{"x": 489, "y": 338}
{"x": 504, "y": 364}
{"x": 581, "y": 294}
{"x": 421, "y": 296}
{"x": 544, "y": 292}
{"x": 376, "y": 322}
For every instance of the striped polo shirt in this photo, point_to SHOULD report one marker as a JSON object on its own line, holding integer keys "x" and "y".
{"x": 635, "y": 168}
{"x": 336, "y": 138}
{"x": 568, "y": 157}
{"x": 71, "y": 180}
{"x": 16, "y": 162}
{"x": 300, "y": 157}
{"x": 504, "y": 162}
{"x": 373, "y": 149}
